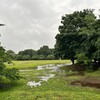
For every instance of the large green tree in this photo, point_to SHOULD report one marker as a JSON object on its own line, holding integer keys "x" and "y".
{"x": 78, "y": 36}
{"x": 97, "y": 43}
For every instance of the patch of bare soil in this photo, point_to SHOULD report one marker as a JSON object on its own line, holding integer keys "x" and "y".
{"x": 80, "y": 73}
{"x": 75, "y": 67}
{"x": 81, "y": 67}
{"x": 88, "y": 81}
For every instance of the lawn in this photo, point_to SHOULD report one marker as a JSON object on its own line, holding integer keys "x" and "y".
{"x": 56, "y": 88}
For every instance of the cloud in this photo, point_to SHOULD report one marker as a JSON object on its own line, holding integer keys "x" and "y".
{"x": 34, "y": 23}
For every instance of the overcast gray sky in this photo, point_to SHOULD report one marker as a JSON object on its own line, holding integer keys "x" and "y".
{"x": 34, "y": 23}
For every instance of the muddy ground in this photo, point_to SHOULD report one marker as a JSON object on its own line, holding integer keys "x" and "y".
{"x": 90, "y": 81}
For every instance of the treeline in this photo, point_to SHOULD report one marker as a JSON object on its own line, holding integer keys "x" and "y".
{"x": 44, "y": 53}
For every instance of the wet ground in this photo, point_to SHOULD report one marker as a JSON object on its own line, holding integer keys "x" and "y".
{"x": 65, "y": 70}
{"x": 88, "y": 81}
{"x": 49, "y": 73}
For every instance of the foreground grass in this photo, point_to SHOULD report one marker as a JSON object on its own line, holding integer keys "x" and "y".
{"x": 34, "y": 63}
{"x": 57, "y": 88}
{"x": 54, "y": 89}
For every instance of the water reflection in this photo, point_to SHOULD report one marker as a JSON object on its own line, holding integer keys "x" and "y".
{"x": 52, "y": 68}
{"x": 47, "y": 77}
{"x": 33, "y": 83}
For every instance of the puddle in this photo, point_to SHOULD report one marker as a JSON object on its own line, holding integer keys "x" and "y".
{"x": 33, "y": 83}
{"x": 40, "y": 67}
{"x": 42, "y": 78}
{"x": 46, "y": 77}
{"x": 52, "y": 67}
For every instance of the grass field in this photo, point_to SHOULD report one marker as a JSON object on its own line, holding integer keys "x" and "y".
{"x": 56, "y": 88}
{"x": 34, "y": 63}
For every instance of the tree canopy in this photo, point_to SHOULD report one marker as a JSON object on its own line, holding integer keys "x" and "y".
{"x": 79, "y": 36}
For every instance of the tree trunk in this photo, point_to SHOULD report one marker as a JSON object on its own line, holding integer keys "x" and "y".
{"x": 72, "y": 59}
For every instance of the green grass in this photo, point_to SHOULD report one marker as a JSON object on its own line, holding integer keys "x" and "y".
{"x": 94, "y": 74}
{"x": 34, "y": 63}
{"x": 56, "y": 88}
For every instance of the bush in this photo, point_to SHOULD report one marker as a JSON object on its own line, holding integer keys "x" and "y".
{"x": 81, "y": 58}
{"x": 10, "y": 74}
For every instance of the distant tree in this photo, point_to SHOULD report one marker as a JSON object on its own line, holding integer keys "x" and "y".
{"x": 41, "y": 57}
{"x": 51, "y": 57}
{"x": 52, "y": 50}
{"x": 26, "y": 57}
{"x": 29, "y": 54}
{"x": 44, "y": 51}
{"x": 11, "y": 54}
{"x": 26, "y": 54}
{"x": 35, "y": 57}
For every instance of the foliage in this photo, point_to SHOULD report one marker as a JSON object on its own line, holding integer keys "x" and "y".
{"x": 81, "y": 58}
{"x": 11, "y": 54}
{"x": 44, "y": 51}
{"x": 79, "y": 37}
{"x": 50, "y": 57}
{"x": 11, "y": 74}
{"x": 30, "y": 54}
{"x": 26, "y": 54}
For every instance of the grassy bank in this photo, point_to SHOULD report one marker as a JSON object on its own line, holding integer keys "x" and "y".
{"x": 56, "y": 88}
